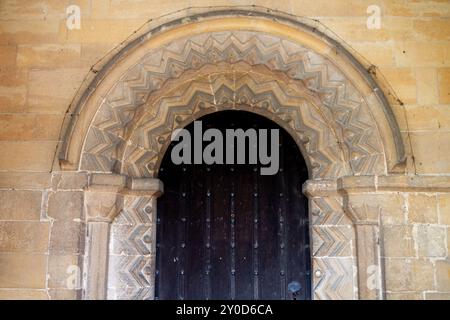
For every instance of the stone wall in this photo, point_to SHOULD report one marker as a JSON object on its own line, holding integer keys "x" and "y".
{"x": 42, "y": 64}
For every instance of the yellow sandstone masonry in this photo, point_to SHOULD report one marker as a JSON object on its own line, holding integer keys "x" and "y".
{"x": 422, "y": 208}
{"x": 444, "y": 85}
{"x": 23, "y": 270}
{"x": 43, "y": 64}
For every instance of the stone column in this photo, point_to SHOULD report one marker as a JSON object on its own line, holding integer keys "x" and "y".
{"x": 362, "y": 204}
{"x": 102, "y": 203}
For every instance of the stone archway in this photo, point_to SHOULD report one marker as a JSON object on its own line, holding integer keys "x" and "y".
{"x": 214, "y": 61}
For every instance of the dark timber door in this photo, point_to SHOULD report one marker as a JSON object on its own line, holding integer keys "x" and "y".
{"x": 227, "y": 232}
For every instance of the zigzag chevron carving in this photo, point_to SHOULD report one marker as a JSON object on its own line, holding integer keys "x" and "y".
{"x": 333, "y": 278}
{"x": 344, "y": 114}
{"x": 265, "y": 96}
{"x": 131, "y": 250}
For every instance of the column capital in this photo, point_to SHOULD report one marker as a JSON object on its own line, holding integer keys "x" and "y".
{"x": 103, "y": 197}
{"x": 151, "y": 187}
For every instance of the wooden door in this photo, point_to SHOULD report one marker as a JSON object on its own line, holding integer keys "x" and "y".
{"x": 227, "y": 232}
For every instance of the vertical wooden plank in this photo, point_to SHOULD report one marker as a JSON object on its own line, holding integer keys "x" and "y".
{"x": 282, "y": 225}
{"x": 297, "y": 263}
{"x": 255, "y": 215}
{"x": 232, "y": 237}
{"x": 195, "y": 243}
{"x": 167, "y": 258}
{"x": 244, "y": 226}
{"x": 207, "y": 265}
{"x": 220, "y": 226}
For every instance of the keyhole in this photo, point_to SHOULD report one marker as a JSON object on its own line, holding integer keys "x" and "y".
{"x": 294, "y": 288}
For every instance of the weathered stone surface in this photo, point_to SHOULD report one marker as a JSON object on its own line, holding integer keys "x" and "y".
{"x": 20, "y": 270}
{"x": 398, "y": 241}
{"x": 429, "y": 158}
{"x": 69, "y": 180}
{"x": 403, "y": 81}
{"x": 66, "y": 238}
{"x": 437, "y": 295}
{"x": 30, "y": 127}
{"x": 25, "y": 180}
{"x": 427, "y": 86}
{"x": 64, "y": 294}
{"x": 20, "y": 205}
{"x": 403, "y": 296}
{"x": 443, "y": 275}
{"x": 65, "y": 205}
{"x": 64, "y": 272}
{"x": 444, "y": 85}
{"x": 422, "y": 208}
{"x": 431, "y": 240}
{"x": 24, "y": 236}
{"x": 15, "y": 155}
{"x": 426, "y": 117}
{"x": 51, "y": 90}
{"x": 404, "y": 274}
{"x": 23, "y": 294}
{"x": 444, "y": 208}
{"x": 391, "y": 207}
{"x": 48, "y": 55}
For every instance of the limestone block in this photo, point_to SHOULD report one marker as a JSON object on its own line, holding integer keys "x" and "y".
{"x": 23, "y": 294}
{"x": 67, "y": 237}
{"x": 422, "y": 208}
{"x": 428, "y": 117}
{"x": 398, "y": 241}
{"x": 20, "y": 270}
{"x": 437, "y": 295}
{"x": 431, "y": 240}
{"x": 24, "y": 236}
{"x": 443, "y": 275}
{"x": 421, "y": 54}
{"x": 404, "y": 274}
{"x": 20, "y": 205}
{"x": 432, "y": 29}
{"x": 403, "y": 81}
{"x": 65, "y": 205}
{"x": 48, "y": 55}
{"x": 64, "y": 272}
{"x": 26, "y": 10}
{"x": 24, "y": 180}
{"x": 403, "y": 296}
{"x": 30, "y": 127}
{"x": 427, "y": 86}
{"x": 64, "y": 294}
{"x": 444, "y": 208}
{"x": 69, "y": 180}
{"x": 29, "y": 31}
{"x": 444, "y": 85}
{"x": 17, "y": 155}
{"x": 431, "y": 152}
{"x": 52, "y": 90}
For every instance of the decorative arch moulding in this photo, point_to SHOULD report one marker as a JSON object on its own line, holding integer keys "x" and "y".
{"x": 205, "y": 61}
{"x": 356, "y": 115}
